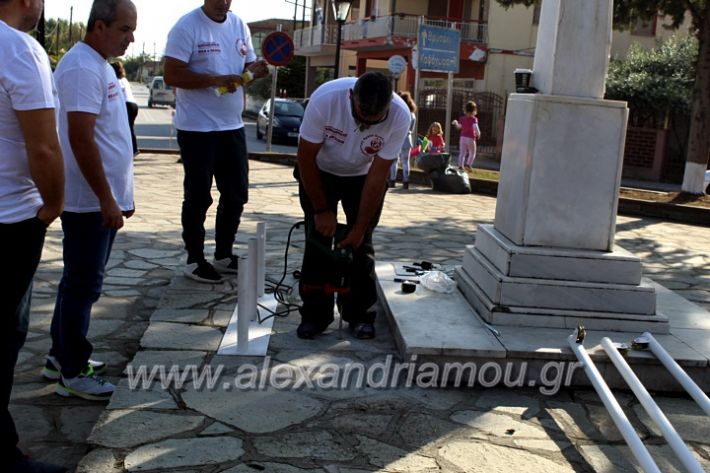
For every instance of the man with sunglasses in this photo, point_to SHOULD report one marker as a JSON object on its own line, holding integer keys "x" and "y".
{"x": 352, "y": 131}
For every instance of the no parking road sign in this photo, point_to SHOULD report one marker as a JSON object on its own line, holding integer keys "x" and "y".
{"x": 277, "y": 48}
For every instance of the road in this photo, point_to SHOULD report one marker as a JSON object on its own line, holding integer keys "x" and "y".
{"x": 154, "y": 128}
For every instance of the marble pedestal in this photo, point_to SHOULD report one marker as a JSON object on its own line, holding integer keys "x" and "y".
{"x": 550, "y": 259}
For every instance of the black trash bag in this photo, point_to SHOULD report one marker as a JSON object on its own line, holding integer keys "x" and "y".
{"x": 451, "y": 181}
{"x": 433, "y": 161}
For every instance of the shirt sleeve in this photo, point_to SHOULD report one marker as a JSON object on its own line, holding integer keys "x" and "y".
{"x": 179, "y": 45}
{"x": 313, "y": 125}
{"x": 81, "y": 91}
{"x": 29, "y": 82}
{"x": 400, "y": 130}
{"x": 251, "y": 55}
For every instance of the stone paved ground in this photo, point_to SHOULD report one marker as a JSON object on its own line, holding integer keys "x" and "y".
{"x": 151, "y": 312}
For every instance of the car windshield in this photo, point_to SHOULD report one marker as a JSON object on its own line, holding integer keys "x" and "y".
{"x": 289, "y": 108}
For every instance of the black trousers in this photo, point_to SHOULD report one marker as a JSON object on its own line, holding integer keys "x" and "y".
{"x": 315, "y": 271}
{"x": 132, "y": 109}
{"x": 221, "y": 155}
{"x": 21, "y": 245}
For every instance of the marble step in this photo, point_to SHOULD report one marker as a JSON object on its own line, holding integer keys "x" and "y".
{"x": 508, "y": 291}
{"x": 616, "y": 267}
{"x": 555, "y": 318}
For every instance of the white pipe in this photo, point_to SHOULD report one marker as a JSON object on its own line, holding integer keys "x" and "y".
{"x": 242, "y": 317}
{"x": 261, "y": 259}
{"x": 656, "y": 414}
{"x": 612, "y": 405}
{"x": 681, "y": 376}
{"x": 252, "y": 264}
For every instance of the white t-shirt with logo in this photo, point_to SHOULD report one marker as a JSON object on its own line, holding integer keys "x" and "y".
{"x": 25, "y": 84}
{"x": 209, "y": 47}
{"x": 347, "y": 150}
{"x": 87, "y": 83}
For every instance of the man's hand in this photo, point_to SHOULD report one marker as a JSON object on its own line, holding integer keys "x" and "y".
{"x": 112, "y": 215}
{"x": 48, "y": 215}
{"x": 229, "y": 83}
{"x": 259, "y": 68}
{"x": 326, "y": 223}
{"x": 353, "y": 239}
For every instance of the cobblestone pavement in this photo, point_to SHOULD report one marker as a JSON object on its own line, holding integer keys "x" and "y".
{"x": 148, "y": 310}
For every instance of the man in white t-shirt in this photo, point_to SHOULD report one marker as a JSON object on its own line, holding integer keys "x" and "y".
{"x": 352, "y": 131}
{"x": 31, "y": 192}
{"x": 209, "y": 55}
{"x": 96, "y": 142}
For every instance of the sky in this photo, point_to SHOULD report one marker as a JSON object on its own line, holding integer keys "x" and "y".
{"x": 156, "y": 17}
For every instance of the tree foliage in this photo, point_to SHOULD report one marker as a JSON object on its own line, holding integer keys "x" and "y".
{"x": 59, "y": 38}
{"x": 657, "y": 81}
{"x": 291, "y": 78}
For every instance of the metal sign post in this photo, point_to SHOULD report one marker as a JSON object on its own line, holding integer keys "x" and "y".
{"x": 278, "y": 50}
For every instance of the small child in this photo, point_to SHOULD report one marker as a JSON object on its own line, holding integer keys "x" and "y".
{"x": 435, "y": 135}
{"x": 468, "y": 125}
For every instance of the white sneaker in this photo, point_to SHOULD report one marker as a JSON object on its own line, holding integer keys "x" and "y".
{"x": 86, "y": 386}
{"x": 228, "y": 265}
{"x": 51, "y": 370}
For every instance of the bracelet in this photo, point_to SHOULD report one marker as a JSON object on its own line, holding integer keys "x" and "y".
{"x": 321, "y": 211}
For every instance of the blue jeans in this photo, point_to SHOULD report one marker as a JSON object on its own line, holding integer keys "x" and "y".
{"x": 21, "y": 247}
{"x": 87, "y": 247}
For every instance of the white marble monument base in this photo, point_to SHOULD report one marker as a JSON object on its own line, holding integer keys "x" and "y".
{"x": 560, "y": 171}
{"x": 508, "y": 284}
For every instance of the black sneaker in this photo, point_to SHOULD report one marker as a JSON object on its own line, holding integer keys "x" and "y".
{"x": 363, "y": 330}
{"x": 229, "y": 265}
{"x": 26, "y": 465}
{"x": 307, "y": 330}
{"x": 203, "y": 272}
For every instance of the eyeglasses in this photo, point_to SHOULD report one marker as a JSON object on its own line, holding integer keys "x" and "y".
{"x": 363, "y": 122}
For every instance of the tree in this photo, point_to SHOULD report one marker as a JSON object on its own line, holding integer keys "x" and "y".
{"x": 59, "y": 38}
{"x": 699, "y": 10}
{"x": 291, "y": 78}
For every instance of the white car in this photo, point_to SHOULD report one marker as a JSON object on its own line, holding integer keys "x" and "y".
{"x": 160, "y": 93}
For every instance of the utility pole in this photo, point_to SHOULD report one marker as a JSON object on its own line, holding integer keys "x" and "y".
{"x": 71, "y": 14}
{"x": 40, "y": 29}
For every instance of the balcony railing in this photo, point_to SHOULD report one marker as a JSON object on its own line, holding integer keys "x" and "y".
{"x": 397, "y": 25}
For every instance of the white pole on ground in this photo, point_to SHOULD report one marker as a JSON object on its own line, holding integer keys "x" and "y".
{"x": 612, "y": 405}
{"x": 681, "y": 376}
{"x": 252, "y": 264}
{"x": 242, "y": 311}
{"x": 261, "y": 259}
{"x": 670, "y": 434}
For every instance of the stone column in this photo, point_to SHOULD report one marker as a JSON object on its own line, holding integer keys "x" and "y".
{"x": 550, "y": 258}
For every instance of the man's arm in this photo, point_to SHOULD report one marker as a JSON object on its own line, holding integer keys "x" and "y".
{"x": 324, "y": 216}
{"x": 372, "y": 194}
{"x": 86, "y": 152}
{"x": 177, "y": 74}
{"x": 44, "y": 156}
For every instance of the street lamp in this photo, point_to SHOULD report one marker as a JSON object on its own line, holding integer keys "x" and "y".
{"x": 341, "y": 9}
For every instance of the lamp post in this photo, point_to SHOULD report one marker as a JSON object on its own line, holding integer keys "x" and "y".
{"x": 341, "y": 9}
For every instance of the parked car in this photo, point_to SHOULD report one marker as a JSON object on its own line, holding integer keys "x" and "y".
{"x": 160, "y": 93}
{"x": 288, "y": 115}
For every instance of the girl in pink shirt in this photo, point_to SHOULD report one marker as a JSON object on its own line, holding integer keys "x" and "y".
{"x": 468, "y": 125}
{"x": 435, "y": 135}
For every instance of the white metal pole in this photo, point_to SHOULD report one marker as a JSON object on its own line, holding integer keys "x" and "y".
{"x": 612, "y": 405}
{"x": 261, "y": 259}
{"x": 449, "y": 106}
{"x": 681, "y": 376}
{"x": 656, "y": 414}
{"x": 242, "y": 314}
{"x": 252, "y": 264}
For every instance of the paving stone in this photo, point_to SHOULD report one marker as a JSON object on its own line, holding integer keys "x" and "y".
{"x": 221, "y": 318}
{"x": 101, "y": 328}
{"x": 127, "y": 273}
{"x": 372, "y": 424}
{"x": 683, "y": 414}
{"x": 76, "y": 422}
{"x": 127, "y": 428}
{"x": 252, "y": 467}
{"x": 180, "y": 336}
{"x": 188, "y": 301}
{"x": 540, "y": 444}
{"x": 619, "y": 459}
{"x": 139, "y": 264}
{"x": 217, "y": 428}
{"x": 318, "y": 445}
{"x": 139, "y": 398}
{"x": 185, "y": 316}
{"x": 99, "y": 460}
{"x": 421, "y": 429}
{"x": 499, "y": 425}
{"x": 571, "y": 419}
{"x": 32, "y": 423}
{"x": 150, "y": 253}
{"x": 395, "y": 459}
{"x": 253, "y": 411}
{"x": 479, "y": 457}
{"x": 177, "y": 453}
{"x": 23, "y": 391}
{"x": 167, "y": 358}
{"x": 509, "y": 402}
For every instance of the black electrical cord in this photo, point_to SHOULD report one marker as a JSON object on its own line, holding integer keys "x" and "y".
{"x": 281, "y": 292}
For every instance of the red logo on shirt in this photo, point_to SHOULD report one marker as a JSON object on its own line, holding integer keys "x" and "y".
{"x": 372, "y": 144}
{"x": 241, "y": 47}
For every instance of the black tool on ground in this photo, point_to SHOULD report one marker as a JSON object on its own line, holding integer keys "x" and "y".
{"x": 341, "y": 260}
{"x": 408, "y": 287}
{"x": 425, "y": 265}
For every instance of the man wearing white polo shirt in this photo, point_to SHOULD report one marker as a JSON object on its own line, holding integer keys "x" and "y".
{"x": 96, "y": 142}
{"x": 31, "y": 191}
{"x": 351, "y": 133}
